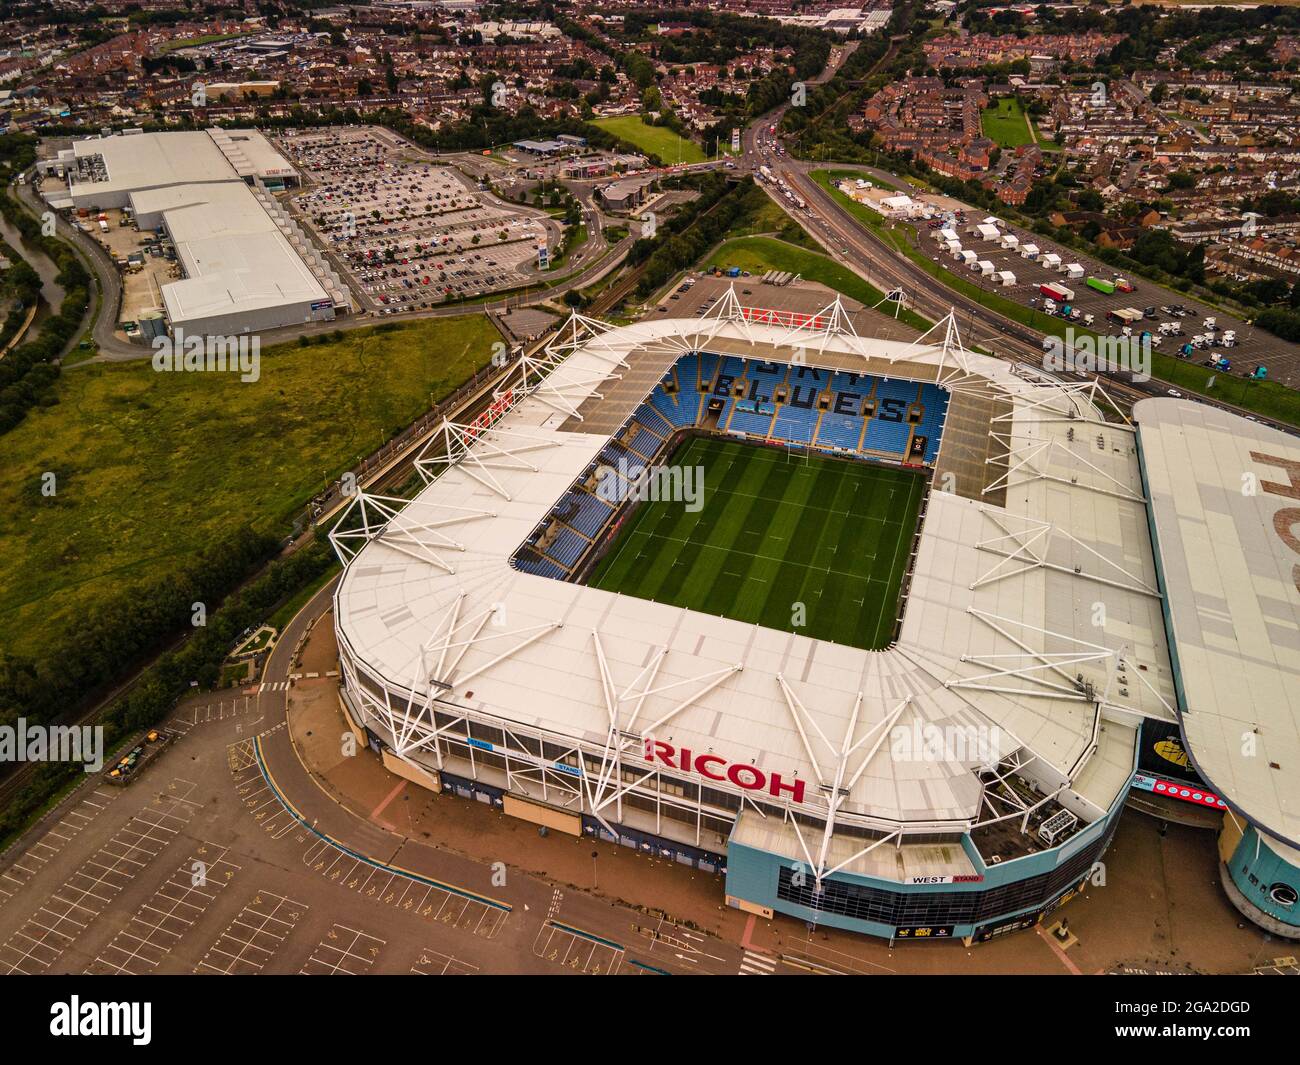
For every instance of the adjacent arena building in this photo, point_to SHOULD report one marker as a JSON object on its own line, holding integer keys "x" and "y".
{"x": 960, "y": 781}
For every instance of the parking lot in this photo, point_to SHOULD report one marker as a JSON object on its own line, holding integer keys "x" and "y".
{"x": 254, "y": 937}
{"x": 578, "y": 950}
{"x": 410, "y": 234}
{"x": 344, "y": 951}
{"x": 416, "y": 895}
{"x": 172, "y": 910}
{"x": 57, "y": 923}
{"x": 1159, "y": 306}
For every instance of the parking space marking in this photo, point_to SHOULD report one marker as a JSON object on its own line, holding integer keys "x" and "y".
{"x": 343, "y": 952}
{"x": 98, "y": 881}
{"x": 163, "y": 920}
{"x": 391, "y": 885}
{"x": 408, "y": 235}
{"x": 435, "y": 963}
{"x": 56, "y": 837}
{"x": 200, "y": 714}
{"x": 254, "y": 937}
{"x": 577, "y": 949}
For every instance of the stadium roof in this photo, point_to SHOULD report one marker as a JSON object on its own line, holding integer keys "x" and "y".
{"x": 1224, "y": 493}
{"x": 1037, "y": 622}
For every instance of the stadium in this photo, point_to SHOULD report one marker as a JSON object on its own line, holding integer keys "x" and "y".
{"x": 874, "y": 628}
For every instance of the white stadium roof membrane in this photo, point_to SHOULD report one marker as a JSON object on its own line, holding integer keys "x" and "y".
{"x": 1037, "y": 622}
{"x": 1225, "y": 502}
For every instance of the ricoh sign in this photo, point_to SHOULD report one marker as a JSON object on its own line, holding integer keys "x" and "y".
{"x": 717, "y": 768}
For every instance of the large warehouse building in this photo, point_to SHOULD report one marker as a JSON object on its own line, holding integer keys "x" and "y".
{"x": 246, "y": 266}
{"x": 960, "y": 783}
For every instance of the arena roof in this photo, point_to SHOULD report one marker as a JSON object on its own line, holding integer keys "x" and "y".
{"x": 1225, "y": 503}
{"x": 1038, "y": 622}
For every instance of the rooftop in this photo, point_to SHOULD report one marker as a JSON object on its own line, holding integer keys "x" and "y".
{"x": 1223, "y": 503}
{"x": 999, "y": 634}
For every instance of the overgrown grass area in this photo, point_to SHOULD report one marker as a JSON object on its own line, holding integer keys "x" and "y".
{"x": 149, "y": 468}
{"x": 1004, "y": 122}
{"x": 769, "y": 218}
{"x": 1045, "y": 141}
{"x": 576, "y": 241}
{"x": 760, "y": 254}
{"x": 654, "y": 140}
{"x": 1269, "y": 398}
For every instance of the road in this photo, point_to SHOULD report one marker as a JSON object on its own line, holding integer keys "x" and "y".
{"x": 113, "y": 348}
{"x": 856, "y": 247}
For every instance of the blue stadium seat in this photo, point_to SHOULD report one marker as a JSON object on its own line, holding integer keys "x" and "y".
{"x": 733, "y": 367}
{"x": 887, "y": 436}
{"x": 745, "y": 421}
{"x": 688, "y": 373}
{"x": 935, "y": 408}
{"x": 771, "y": 374}
{"x": 590, "y": 515}
{"x": 678, "y": 410}
{"x": 644, "y": 444}
{"x": 648, "y": 416}
{"x": 541, "y": 567}
{"x": 708, "y": 369}
{"x": 795, "y": 424}
{"x": 895, "y": 389}
{"x": 840, "y": 430}
{"x": 566, "y": 547}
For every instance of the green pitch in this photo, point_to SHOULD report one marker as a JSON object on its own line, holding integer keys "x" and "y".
{"x": 776, "y": 530}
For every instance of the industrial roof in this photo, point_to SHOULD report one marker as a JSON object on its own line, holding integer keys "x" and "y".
{"x": 1224, "y": 498}
{"x": 156, "y": 160}
{"x": 1038, "y": 623}
{"x": 251, "y": 154}
{"x": 236, "y": 258}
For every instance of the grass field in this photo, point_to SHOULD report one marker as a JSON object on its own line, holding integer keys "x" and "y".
{"x": 1004, "y": 122}
{"x": 760, "y": 254}
{"x": 654, "y": 140}
{"x": 151, "y": 467}
{"x": 776, "y": 530}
